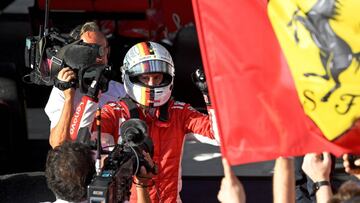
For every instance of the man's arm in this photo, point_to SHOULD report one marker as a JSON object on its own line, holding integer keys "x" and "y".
{"x": 142, "y": 195}
{"x": 284, "y": 180}
{"x": 200, "y": 126}
{"x": 317, "y": 167}
{"x": 61, "y": 131}
{"x": 199, "y": 79}
{"x": 231, "y": 189}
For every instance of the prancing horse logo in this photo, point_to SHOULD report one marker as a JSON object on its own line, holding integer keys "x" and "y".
{"x": 335, "y": 54}
{"x": 320, "y": 40}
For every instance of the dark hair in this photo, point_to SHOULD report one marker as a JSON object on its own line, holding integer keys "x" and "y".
{"x": 69, "y": 169}
{"x": 349, "y": 192}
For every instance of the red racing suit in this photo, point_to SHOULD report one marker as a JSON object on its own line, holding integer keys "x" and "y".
{"x": 168, "y": 139}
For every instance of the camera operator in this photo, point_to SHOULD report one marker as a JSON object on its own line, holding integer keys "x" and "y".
{"x": 61, "y": 104}
{"x": 148, "y": 74}
{"x": 70, "y": 168}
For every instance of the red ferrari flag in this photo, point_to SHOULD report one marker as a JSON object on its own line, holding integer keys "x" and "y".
{"x": 283, "y": 75}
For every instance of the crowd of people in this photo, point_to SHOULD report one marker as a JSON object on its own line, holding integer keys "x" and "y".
{"x": 148, "y": 73}
{"x": 316, "y": 166}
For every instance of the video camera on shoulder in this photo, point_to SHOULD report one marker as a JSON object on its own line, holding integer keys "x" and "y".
{"x": 81, "y": 58}
{"x": 47, "y": 55}
{"x": 115, "y": 179}
{"x": 50, "y": 51}
{"x": 38, "y": 52}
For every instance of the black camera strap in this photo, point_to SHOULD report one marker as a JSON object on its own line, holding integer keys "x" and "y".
{"x": 132, "y": 107}
{"x": 164, "y": 114}
{"x": 62, "y": 85}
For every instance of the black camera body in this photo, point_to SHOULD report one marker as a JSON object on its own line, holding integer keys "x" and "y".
{"x": 50, "y": 51}
{"x": 81, "y": 58}
{"x": 114, "y": 182}
{"x": 48, "y": 54}
{"x": 38, "y": 52}
{"x": 115, "y": 179}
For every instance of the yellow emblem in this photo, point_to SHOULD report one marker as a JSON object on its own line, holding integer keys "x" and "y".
{"x": 321, "y": 42}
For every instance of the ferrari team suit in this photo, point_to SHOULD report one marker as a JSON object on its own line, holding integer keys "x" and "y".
{"x": 168, "y": 138}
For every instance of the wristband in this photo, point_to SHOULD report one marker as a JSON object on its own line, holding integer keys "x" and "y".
{"x": 318, "y": 184}
{"x": 62, "y": 85}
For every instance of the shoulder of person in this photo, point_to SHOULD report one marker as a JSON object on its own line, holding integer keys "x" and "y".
{"x": 115, "y": 89}
{"x": 180, "y": 105}
{"x": 113, "y": 104}
{"x": 116, "y": 86}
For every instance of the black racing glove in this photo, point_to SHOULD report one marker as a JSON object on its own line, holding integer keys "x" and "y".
{"x": 198, "y": 78}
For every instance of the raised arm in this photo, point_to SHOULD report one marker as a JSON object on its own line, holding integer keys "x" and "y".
{"x": 318, "y": 167}
{"x": 61, "y": 131}
{"x": 231, "y": 189}
{"x": 284, "y": 180}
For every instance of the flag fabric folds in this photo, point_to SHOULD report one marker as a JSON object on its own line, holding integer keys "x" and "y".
{"x": 264, "y": 88}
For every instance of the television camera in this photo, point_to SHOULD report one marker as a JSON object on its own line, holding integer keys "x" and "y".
{"x": 50, "y": 51}
{"x": 113, "y": 182}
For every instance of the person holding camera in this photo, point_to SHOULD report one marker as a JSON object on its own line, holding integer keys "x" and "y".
{"x": 70, "y": 168}
{"x": 61, "y": 104}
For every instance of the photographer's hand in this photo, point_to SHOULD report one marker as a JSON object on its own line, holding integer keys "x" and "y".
{"x": 145, "y": 175}
{"x": 154, "y": 169}
{"x": 144, "y": 178}
{"x": 65, "y": 81}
